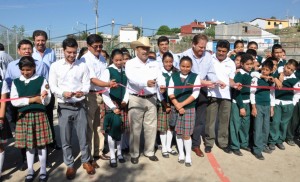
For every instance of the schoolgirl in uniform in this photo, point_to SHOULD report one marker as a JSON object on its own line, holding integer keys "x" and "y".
{"x": 32, "y": 128}
{"x": 165, "y": 125}
{"x": 184, "y": 102}
{"x": 5, "y": 132}
{"x": 115, "y": 100}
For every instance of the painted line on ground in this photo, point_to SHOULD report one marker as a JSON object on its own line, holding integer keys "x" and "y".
{"x": 218, "y": 170}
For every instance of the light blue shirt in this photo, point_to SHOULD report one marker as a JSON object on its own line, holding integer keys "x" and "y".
{"x": 175, "y": 60}
{"x": 13, "y": 71}
{"x": 48, "y": 57}
{"x": 202, "y": 66}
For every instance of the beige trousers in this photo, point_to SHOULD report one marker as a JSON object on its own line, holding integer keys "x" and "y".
{"x": 94, "y": 136}
{"x": 142, "y": 114}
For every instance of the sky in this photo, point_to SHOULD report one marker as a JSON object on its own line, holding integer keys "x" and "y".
{"x": 60, "y": 17}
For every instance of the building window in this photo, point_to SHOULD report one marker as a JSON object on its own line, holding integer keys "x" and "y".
{"x": 269, "y": 23}
{"x": 274, "y": 23}
{"x": 245, "y": 29}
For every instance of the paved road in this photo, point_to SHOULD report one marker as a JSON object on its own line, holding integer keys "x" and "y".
{"x": 218, "y": 166}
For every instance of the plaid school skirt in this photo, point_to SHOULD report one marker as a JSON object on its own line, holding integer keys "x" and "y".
{"x": 163, "y": 119}
{"x": 185, "y": 123}
{"x": 32, "y": 130}
{"x": 124, "y": 117}
{"x": 5, "y": 133}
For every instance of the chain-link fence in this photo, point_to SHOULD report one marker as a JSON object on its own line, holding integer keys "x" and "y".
{"x": 10, "y": 40}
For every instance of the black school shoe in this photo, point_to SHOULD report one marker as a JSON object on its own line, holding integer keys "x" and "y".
{"x": 280, "y": 146}
{"x": 227, "y": 150}
{"x": 113, "y": 163}
{"x": 237, "y": 152}
{"x": 207, "y": 149}
{"x": 259, "y": 156}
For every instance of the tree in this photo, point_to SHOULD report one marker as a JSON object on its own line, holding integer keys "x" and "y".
{"x": 19, "y": 30}
{"x": 163, "y": 30}
{"x": 210, "y": 32}
{"x": 175, "y": 30}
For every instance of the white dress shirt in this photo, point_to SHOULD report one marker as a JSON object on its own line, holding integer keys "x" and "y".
{"x": 66, "y": 77}
{"x": 106, "y": 98}
{"x": 25, "y": 101}
{"x": 138, "y": 73}
{"x": 96, "y": 67}
{"x": 225, "y": 71}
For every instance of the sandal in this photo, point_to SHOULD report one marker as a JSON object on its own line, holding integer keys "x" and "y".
{"x": 43, "y": 178}
{"x": 165, "y": 154}
{"x": 173, "y": 152}
{"x": 121, "y": 159}
{"x": 29, "y": 178}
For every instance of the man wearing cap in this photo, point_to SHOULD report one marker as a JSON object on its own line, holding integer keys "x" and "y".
{"x": 144, "y": 77}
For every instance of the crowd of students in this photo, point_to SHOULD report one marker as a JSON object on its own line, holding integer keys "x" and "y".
{"x": 178, "y": 95}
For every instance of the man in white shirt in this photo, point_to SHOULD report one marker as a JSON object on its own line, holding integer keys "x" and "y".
{"x": 96, "y": 64}
{"x": 69, "y": 80}
{"x": 203, "y": 66}
{"x": 144, "y": 76}
{"x": 46, "y": 55}
{"x": 163, "y": 47}
{"x": 219, "y": 105}
{"x": 4, "y": 59}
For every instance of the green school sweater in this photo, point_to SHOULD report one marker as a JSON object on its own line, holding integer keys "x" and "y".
{"x": 262, "y": 96}
{"x": 286, "y": 95}
{"x": 117, "y": 94}
{"x": 183, "y": 94}
{"x": 33, "y": 88}
{"x": 244, "y": 78}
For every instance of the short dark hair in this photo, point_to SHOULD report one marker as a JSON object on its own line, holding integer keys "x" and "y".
{"x": 162, "y": 39}
{"x": 223, "y": 44}
{"x": 24, "y": 41}
{"x": 199, "y": 37}
{"x": 238, "y": 42}
{"x": 124, "y": 49}
{"x": 81, "y": 52}
{"x": 69, "y": 42}
{"x": 268, "y": 63}
{"x": 246, "y": 57}
{"x": 93, "y": 38}
{"x": 186, "y": 58}
{"x": 252, "y": 52}
{"x": 292, "y": 62}
{"x": 39, "y": 33}
{"x": 167, "y": 54}
{"x": 272, "y": 58}
{"x": 276, "y": 46}
{"x": 1, "y": 47}
{"x": 252, "y": 42}
{"x": 26, "y": 61}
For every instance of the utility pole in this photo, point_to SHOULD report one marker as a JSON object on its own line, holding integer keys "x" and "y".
{"x": 97, "y": 16}
{"x": 112, "y": 33}
{"x": 85, "y": 27}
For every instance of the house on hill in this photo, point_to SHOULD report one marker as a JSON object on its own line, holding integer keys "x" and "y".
{"x": 268, "y": 23}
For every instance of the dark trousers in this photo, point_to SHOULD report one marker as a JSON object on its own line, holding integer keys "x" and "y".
{"x": 294, "y": 123}
{"x": 49, "y": 112}
{"x": 199, "y": 129}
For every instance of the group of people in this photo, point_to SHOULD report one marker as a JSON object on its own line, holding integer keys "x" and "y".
{"x": 182, "y": 95}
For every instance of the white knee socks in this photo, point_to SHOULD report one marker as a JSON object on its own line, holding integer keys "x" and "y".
{"x": 163, "y": 139}
{"x": 1, "y": 161}
{"x": 188, "y": 146}
{"x": 111, "y": 145}
{"x": 30, "y": 160}
{"x": 42, "y": 158}
{"x": 119, "y": 148}
{"x": 169, "y": 140}
{"x": 179, "y": 141}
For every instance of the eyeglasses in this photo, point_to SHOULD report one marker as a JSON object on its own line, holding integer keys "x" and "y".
{"x": 97, "y": 46}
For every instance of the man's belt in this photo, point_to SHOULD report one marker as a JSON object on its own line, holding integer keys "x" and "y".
{"x": 144, "y": 96}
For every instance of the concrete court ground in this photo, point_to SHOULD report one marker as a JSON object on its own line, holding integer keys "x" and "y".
{"x": 280, "y": 166}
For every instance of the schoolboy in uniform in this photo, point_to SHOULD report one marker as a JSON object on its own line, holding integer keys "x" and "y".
{"x": 240, "y": 108}
{"x": 262, "y": 101}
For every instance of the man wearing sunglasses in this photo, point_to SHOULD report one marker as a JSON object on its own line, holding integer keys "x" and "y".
{"x": 96, "y": 64}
